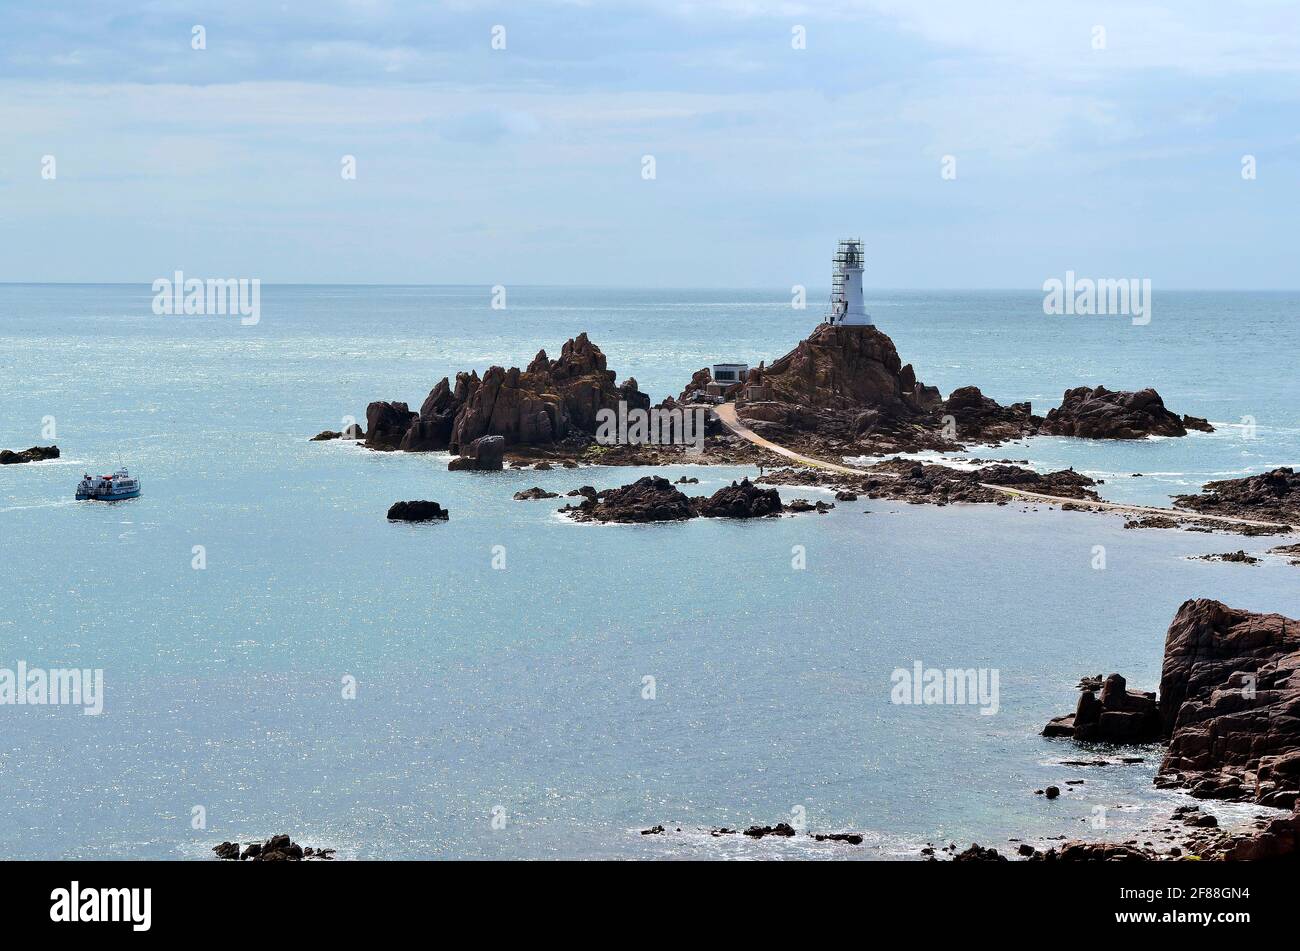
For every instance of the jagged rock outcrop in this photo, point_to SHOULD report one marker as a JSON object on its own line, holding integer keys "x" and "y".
{"x": 741, "y": 499}
{"x": 655, "y": 499}
{"x": 844, "y": 367}
{"x": 1099, "y": 413}
{"x": 536, "y": 406}
{"x": 386, "y": 424}
{"x": 419, "y": 510}
{"x": 1230, "y": 702}
{"x": 34, "y": 454}
{"x": 648, "y": 499}
{"x": 1119, "y": 716}
{"x": 978, "y": 417}
{"x": 844, "y": 390}
{"x": 1271, "y": 496}
{"x": 278, "y": 848}
{"x": 485, "y": 454}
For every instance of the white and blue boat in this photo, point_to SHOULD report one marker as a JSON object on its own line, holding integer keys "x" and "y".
{"x": 108, "y": 488}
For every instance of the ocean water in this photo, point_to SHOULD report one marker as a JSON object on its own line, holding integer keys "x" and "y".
{"x": 516, "y": 693}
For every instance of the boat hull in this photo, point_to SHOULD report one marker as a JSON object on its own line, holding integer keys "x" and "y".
{"x": 107, "y": 496}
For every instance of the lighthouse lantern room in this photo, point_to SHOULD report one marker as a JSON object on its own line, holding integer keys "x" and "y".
{"x": 846, "y": 286}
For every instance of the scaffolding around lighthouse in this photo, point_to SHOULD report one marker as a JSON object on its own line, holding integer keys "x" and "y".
{"x": 846, "y": 286}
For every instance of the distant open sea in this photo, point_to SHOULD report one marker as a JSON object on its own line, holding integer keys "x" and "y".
{"x": 517, "y": 693}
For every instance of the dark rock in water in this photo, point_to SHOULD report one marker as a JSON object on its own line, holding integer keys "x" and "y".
{"x": 350, "y": 432}
{"x": 653, "y": 830}
{"x": 977, "y": 853}
{"x": 1094, "y": 852}
{"x": 482, "y": 455}
{"x": 1099, "y": 413}
{"x": 586, "y": 491}
{"x": 687, "y": 480}
{"x": 852, "y": 838}
{"x": 846, "y": 496}
{"x": 1051, "y": 792}
{"x": 417, "y": 511}
{"x": 740, "y": 500}
{"x": 431, "y": 430}
{"x": 1230, "y": 702}
{"x": 543, "y": 404}
{"x": 278, "y": 848}
{"x": 979, "y": 417}
{"x": 648, "y": 499}
{"x": 1271, "y": 496}
{"x": 1026, "y": 850}
{"x": 534, "y": 494}
{"x": 1152, "y": 521}
{"x": 803, "y": 505}
{"x": 1238, "y": 556}
{"x": 386, "y": 425}
{"x": 1120, "y": 716}
{"x": 1064, "y": 482}
{"x": 780, "y": 829}
{"x": 1198, "y": 423}
{"x": 846, "y": 386}
{"x": 34, "y": 454}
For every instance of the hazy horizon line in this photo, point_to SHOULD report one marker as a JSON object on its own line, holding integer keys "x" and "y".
{"x": 642, "y": 287}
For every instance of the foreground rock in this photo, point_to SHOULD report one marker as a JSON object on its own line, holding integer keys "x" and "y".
{"x": 417, "y": 511}
{"x": 278, "y": 848}
{"x": 1099, "y": 413}
{"x": 1230, "y": 703}
{"x": 34, "y": 454}
{"x": 484, "y": 454}
{"x": 1270, "y": 497}
{"x": 1119, "y": 716}
{"x": 539, "y": 406}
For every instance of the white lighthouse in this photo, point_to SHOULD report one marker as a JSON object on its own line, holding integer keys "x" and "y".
{"x": 846, "y": 286}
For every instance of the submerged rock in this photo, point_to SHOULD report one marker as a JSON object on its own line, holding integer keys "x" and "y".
{"x": 534, "y": 494}
{"x": 781, "y": 829}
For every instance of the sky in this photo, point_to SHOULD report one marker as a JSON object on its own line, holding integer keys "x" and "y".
{"x": 1107, "y": 138}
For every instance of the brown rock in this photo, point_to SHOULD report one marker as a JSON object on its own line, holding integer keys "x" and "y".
{"x": 1270, "y": 496}
{"x": 34, "y": 454}
{"x": 740, "y": 500}
{"x": 484, "y": 454}
{"x": 1230, "y": 702}
{"x": 1099, "y": 413}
